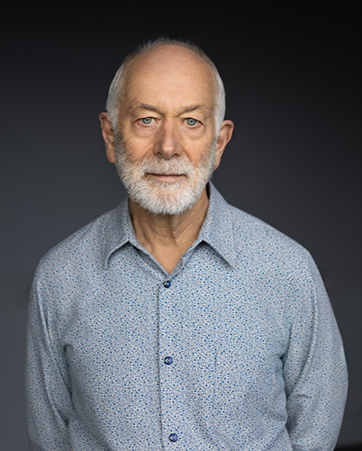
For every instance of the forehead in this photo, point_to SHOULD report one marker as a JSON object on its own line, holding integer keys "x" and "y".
{"x": 170, "y": 74}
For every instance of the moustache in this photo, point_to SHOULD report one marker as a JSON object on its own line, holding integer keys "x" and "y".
{"x": 162, "y": 166}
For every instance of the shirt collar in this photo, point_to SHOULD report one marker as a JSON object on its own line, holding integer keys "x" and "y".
{"x": 117, "y": 232}
{"x": 216, "y": 230}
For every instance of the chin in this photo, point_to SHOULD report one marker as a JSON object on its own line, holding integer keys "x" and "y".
{"x": 167, "y": 198}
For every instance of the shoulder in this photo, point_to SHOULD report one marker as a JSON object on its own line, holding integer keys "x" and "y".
{"x": 250, "y": 241}
{"x": 82, "y": 248}
{"x": 262, "y": 244}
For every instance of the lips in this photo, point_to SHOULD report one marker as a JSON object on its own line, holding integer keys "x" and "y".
{"x": 166, "y": 177}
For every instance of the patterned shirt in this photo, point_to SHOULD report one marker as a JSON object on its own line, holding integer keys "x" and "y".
{"x": 236, "y": 349}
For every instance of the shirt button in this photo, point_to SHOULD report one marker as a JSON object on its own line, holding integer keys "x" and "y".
{"x": 168, "y": 360}
{"x": 167, "y": 284}
{"x": 173, "y": 438}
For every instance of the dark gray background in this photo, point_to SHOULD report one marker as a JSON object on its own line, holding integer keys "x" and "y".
{"x": 292, "y": 82}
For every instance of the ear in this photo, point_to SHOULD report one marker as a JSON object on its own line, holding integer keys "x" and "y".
{"x": 225, "y": 134}
{"x": 108, "y": 136}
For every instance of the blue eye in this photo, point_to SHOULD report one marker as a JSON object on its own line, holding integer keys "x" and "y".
{"x": 191, "y": 122}
{"x": 146, "y": 120}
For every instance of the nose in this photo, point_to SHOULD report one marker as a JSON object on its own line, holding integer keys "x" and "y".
{"x": 168, "y": 142}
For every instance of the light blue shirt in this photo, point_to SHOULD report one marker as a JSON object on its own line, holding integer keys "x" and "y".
{"x": 236, "y": 349}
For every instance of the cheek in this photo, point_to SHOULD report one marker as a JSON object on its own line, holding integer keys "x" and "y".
{"x": 202, "y": 152}
{"x": 135, "y": 149}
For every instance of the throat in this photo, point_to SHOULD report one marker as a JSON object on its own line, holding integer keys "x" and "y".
{"x": 168, "y": 260}
{"x": 167, "y": 237}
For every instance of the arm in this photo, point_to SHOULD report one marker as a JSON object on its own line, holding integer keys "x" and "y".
{"x": 315, "y": 370}
{"x": 48, "y": 396}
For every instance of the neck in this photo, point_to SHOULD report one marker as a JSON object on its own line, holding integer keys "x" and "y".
{"x": 168, "y": 237}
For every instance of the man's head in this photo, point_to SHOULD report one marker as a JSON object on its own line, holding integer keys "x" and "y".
{"x": 164, "y": 129}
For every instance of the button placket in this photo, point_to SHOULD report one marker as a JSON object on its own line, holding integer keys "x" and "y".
{"x": 168, "y": 360}
{"x": 168, "y": 376}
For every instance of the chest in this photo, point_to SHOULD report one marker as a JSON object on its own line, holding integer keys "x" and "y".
{"x": 209, "y": 318}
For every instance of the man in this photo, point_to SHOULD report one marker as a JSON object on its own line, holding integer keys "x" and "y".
{"x": 177, "y": 321}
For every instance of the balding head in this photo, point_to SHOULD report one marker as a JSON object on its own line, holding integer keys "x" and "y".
{"x": 167, "y": 55}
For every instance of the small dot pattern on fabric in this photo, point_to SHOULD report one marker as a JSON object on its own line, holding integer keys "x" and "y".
{"x": 236, "y": 349}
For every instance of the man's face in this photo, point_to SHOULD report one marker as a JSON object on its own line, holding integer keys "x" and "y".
{"x": 166, "y": 148}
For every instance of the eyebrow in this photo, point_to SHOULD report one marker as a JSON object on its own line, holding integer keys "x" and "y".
{"x": 187, "y": 109}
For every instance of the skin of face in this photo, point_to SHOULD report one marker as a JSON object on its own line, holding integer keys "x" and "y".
{"x": 167, "y": 110}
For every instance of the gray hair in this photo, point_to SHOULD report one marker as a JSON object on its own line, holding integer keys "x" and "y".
{"x": 115, "y": 89}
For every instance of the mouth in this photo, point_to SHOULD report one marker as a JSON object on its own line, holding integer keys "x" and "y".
{"x": 168, "y": 178}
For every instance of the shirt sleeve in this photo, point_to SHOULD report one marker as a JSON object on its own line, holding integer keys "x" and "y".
{"x": 315, "y": 370}
{"x": 48, "y": 395}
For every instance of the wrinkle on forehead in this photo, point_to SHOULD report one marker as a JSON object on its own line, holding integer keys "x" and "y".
{"x": 170, "y": 67}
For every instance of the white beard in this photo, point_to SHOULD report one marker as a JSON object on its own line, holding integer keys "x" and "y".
{"x": 164, "y": 198}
